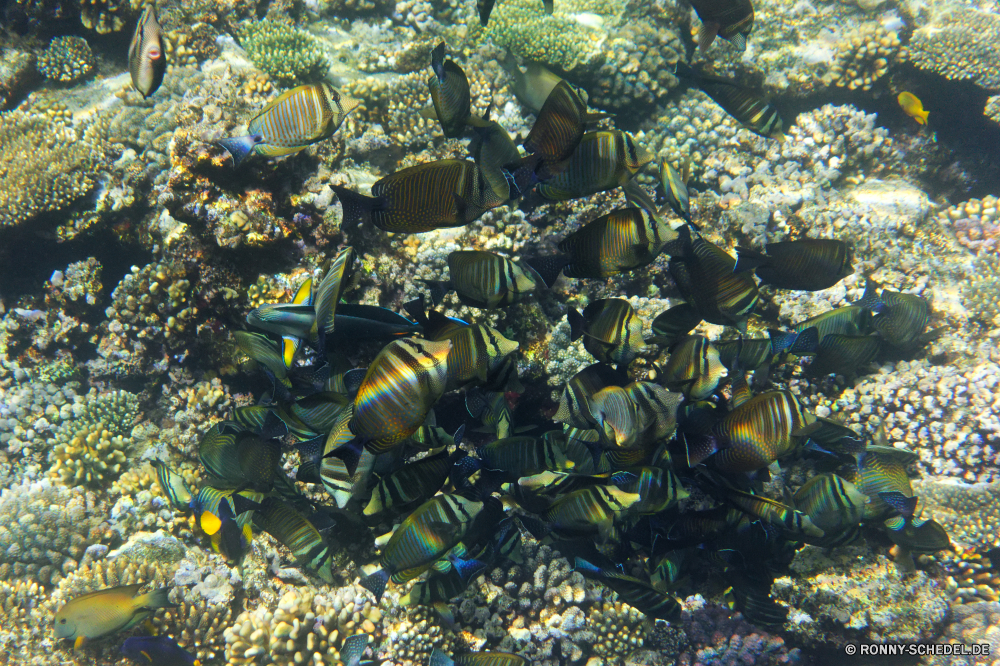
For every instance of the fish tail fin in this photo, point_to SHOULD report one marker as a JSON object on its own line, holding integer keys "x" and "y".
{"x": 524, "y": 174}
{"x": 906, "y": 506}
{"x": 748, "y": 260}
{"x": 437, "y": 289}
{"x": 375, "y": 583}
{"x": 739, "y": 41}
{"x": 350, "y": 453}
{"x": 437, "y": 61}
{"x": 445, "y": 613}
{"x": 357, "y": 207}
{"x": 439, "y": 658}
{"x": 549, "y": 6}
{"x": 576, "y": 324}
{"x": 806, "y": 342}
{"x": 582, "y": 565}
{"x": 240, "y": 146}
{"x": 158, "y": 598}
{"x": 707, "y": 33}
{"x": 548, "y": 268}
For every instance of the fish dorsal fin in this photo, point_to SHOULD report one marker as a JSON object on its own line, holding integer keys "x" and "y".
{"x": 304, "y": 294}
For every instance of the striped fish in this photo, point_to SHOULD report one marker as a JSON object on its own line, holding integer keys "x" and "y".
{"x": 525, "y": 456}
{"x": 730, "y": 19}
{"x": 559, "y": 127}
{"x": 449, "y": 92}
{"x": 434, "y": 528}
{"x": 849, "y": 320}
{"x": 554, "y": 484}
{"x": 704, "y": 275}
{"x": 612, "y": 328}
{"x": 328, "y": 293}
{"x": 439, "y": 658}
{"x": 590, "y": 510}
{"x": 694, "y": 368}
{"x": 671, "y": 325}
{"x": 298, "y": 535}
{"x": 486, "y": 280}
{"x": 637, "y": 593}
{"x": 882, "y": 469}
{"x": 173, "y": 486}
{"x": 744, "y": 353}
{"x": 147, "y": 60}
{"x": 295, "y": 119}
{"x": 809, "y": 264}
{"x": 574, "y": 402}
{"x": 657, "y": 488}
{"x": 341, "y": 484}
{"x": 746, "y": 106}
{"x": 834, "y": 505}
{"x": 292, "y": 324}
{"x": 411, "y": 484}
{"x": 796, "y": 524}
{"x": 320, "y": 412}
{"x": 634, "y": 416}
{"x": 675, "y": 189}
{"x": 239, "y": 459}
{"x": 493, "y": 150}
{"x": 901, "y": 317}
{"x": 478, "y": 357}
{"x": 623, "y": 240}
{"x": 759, "y": 431}
{"x": 604, "y": 160}
{"x": 265, "y": 353}
{"x": 225, "y": 517}
{"x": 844, "y": 354}
{"x": 433, "y": 195}
{"x": 492, "y": 408}
{"x": 400, "y": 388}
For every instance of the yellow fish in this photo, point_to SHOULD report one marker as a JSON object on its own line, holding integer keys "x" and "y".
{"x": 913, "y": 107}
{"x": 108, "y": 611}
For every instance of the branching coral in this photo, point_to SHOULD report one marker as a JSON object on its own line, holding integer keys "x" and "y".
{"x": 90, "y": 450}
{"x": 283, "y": 51}
{"x": 67, "y": 60}
{"x": 960, "y": 43}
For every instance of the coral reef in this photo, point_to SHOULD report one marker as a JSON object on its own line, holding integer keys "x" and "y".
{"x": 971, "y": 624}
{"x": 982, "y": 292}
{"x": 90, "y": 449}
{"x": 967, "y": 511}
{"x": 958, "y": 44}
{"x": 975, "y": 223}
{"x": 865, "y": 58}
{"x": 67, "y": 60}
{"x": 284, "y": 52}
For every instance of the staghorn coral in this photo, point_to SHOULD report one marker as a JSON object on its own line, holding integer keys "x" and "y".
{"x": 959, "y": 43}
{"x": 864, "y": 57}
{"x": 67, "y": 60}
{"x": 45, "y": 530}
{"x": 46, "y": 164}
{"x": 284, "y": 52}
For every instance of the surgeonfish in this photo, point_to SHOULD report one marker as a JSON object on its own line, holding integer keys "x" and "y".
{"x": 225, "y": 516}
{"x": 882, "y": 469}
{"x": 450, "y": 93}
{"x": 525, "y": 456}
{"x": 484, "y": 8}
{"x": 423, "y": 537}
{"x": 730, "y": 19}
{"x": 484, "y": 280}
{"x": 295, "y": 532}
{"x": 798, "y": 525}
{"x": 913, "y": 107}
{"x": 239, "y": 459}
{"x": 745, "y": 105}
{"x": 479, "y": 356}
{"x": 400, "y": 388}
{"x": 293, "y": 120}
{"x": 638, "y": 593}
{"x": 173, "y": 486}
{"x": 439, "y": 658}
{"x": 493, "y": 150}
{"x": 574, "y": 402}
{"x": 834, "y": 505}
{"x": 809, "y": 264}
{"x": 147, "y": 59}
{"x": 260, "y": 349}
{"x": 694, "y": 368}
{"x": 109, "y": 611}
{"x": 410, "y": 485}
{"x": 560, "y": 124}
{"x": 899, "y": 318}
{"x": 424, "y": 197}
{"x": 848, "y": 320}
{"x": 675, "y": 188}
{"x": 602, "y": 160}
{"x": 611, "y": 329}
{"x": 590, "y": 510}
{"x": 533, "y": 86}
{"x": 672, "y": 325}
{"x": 844, "y": 354}
{"x": 157, "y": 651}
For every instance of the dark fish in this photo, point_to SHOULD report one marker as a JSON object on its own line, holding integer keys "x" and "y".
{"x": 899, "y": 318}
{"x": 439, "y": 658}
{"x": 574, "y": 403}
{"x": 658, "y": 489}
{"x": 559, "y": 127}
{"x": 602, "y": 161}
{"x": 753, "y": 600}
{"x": 296, "y": 533}
{"x": 295, "y": 119}
{"x": 320, "y": 412}
{"x": 745, "y": 105}
{"x": 353, "y": 649}
{"x": 730, "y": 19}
{"x": 882, "y": 469}
{"x": 329, "y": 291}
{"x": 744, "y": 353}
{"x": 613, "y": 330}
{"x": 225, "y": 517}
{"x": 400, "y": 388}
{"x": 525, "y": 456}
{"x": 834, "y": 505}
{"x": 109, "y": 611}
{"x": 590, "y": 510}
{"x": 844, "y": 354}
{"x": 433, "y": 195}
{"x": 638, "y": 593}
{"x": 449, "y": 92}
{"x": 485, "y": 8}
{"x": 672, "y": 325}
{"x": 485, "y": 279}
{"x": 356, "y": 321}
{"x": 704, "y": 275}
{"x": 795, "y": 524}
{"x": 675, "y": 189}
{"x": 173, "y": 486}
{"x": 809, "y": 264}
{"x": 554, "y": 484}
{"x": 492, "y": 149}
{"x": 694, "y": 368}
{"x": 492, "y": 408}
{"x": 239, "y": 459}
{"x": 410, "y": 485}
{"x": 147, "y": 60}
{"x": 426, "y": 535}
{"x": 157, "y": 651}
{"x": 785, "y": 344}
{"x": 623, "y": 240}
{"x": 291, "y": 323}
{"x": 264, "y": 352}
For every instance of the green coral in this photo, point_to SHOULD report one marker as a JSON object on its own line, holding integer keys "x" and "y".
{"x": 288, "y": 54}
{"x": 960, "y": 43}
{"x": 90, "y": 450}
{"x": 67, "y": 60}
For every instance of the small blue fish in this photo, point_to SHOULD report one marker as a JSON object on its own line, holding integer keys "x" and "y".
{"x": 157, "y": 651}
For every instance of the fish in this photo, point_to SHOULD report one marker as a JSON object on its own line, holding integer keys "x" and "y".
{"x": 225, "y": 515}
{"x": 239, "y": 459}
{"x": 913, "y": 107}
{"x": 484, "y": 8}
{"x": 899, "y": 318}
{"x": 298, "y": 534}
{"x": 479, "y": 356}
{"x": 355, "y": 321}
{"x": 882, "y": 469}
{"x": 744, "y": 354}
{"x": 291, "y": 323}
{"x": 410, "y": 485}
{"x": 264, "y": 352}
{"x": 794, "y": 523}
{"x": 560, "y": 124}
{"x": 835, "y": 505}
{"x": 623, "y": 240}
{"x": 525, "y": 456}
{"x": 492, "y": 149}
{"x": 492, "y": 408}
{"x": 809, "y": 264}
{"x": 730, "y": 19}
{"x": 574, "y": 401}
{"x": 157, "y": 651}
{"x": 658, "y": 489}
{"x": 534, "y": 85}
{"x": 424, "y": 197}
{"x": 704, "y": 275}
{"x": 694, "y": 368}
{"x": 484, "y": 280}
{"x": 851, "y": 320}
{"x": 672, "y": 325}
{"x": 399, "y": 389}
{"x": 638, "y": 593}
{"x": 423, "y": 537}
{"x": 602, "y": 160}
{"x": 293, "y": 120}
{"x": 611, "y": 329}
{"x": 94, "y": 615}
{"x": 675, "y": 188}
{"x": 173, "y": 486}
{"x": 590, "y": 510}
{"x": 449, "y": 92}
{"x": 746, "y": 106}
{"x": 439, "y": 658}
{"x": 353, "y": 649}
{"x": 844, "y": 354}
{"x": 909, "y": 533}
{"x": 147, "y": 59}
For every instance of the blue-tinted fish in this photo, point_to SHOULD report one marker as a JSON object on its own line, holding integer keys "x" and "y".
{"x": 295, "y": 119}
{"x": 157, "y": 651}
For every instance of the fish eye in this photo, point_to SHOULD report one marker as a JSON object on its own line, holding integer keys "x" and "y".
{"x": 62, "y": 621}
